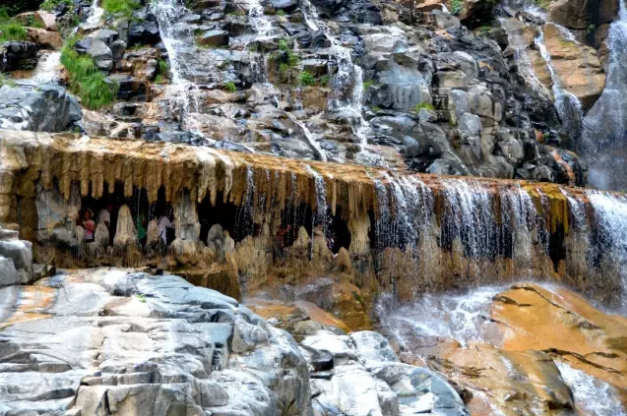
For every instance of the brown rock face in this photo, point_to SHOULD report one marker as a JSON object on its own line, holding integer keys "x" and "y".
{"x": 44, "y": 38}
{"x": 568, "y": 327}
{"x": 532, "y": 340}
{"x": 581, "y": 14}
{"x": 588, "y": 19}
{"x": 577, "y": 66}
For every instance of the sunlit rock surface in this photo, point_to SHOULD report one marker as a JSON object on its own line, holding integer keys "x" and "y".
{"x": 116, "y": 342}
{"x": 528, "y": 349}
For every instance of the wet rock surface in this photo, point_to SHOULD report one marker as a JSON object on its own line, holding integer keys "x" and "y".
{"x": 529, "y": 349}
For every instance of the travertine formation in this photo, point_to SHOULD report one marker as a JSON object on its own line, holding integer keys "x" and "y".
{"x": 398, "y": 232}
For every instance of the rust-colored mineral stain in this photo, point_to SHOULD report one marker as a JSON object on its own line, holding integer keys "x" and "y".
{"x": 31, "y": 304}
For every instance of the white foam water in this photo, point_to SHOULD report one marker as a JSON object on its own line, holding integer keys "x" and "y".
{"x": 177, "y": 37}
{"x": 593, "y": 397}
{"x": 48, "y": 68}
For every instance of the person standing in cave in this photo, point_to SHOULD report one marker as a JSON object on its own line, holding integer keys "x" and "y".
{"x": 89, "y": 225}
{"x": 280, "y": 241}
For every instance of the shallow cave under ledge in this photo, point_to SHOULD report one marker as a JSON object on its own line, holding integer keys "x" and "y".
{"x": 248, "y": 222}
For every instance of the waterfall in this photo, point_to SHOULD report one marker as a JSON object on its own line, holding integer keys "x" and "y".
{"x": 96, "y": 14}
{"x": 48, "y": 68}
{"x": 567, "y": 105}
{"x": 348, "y": 74}
{"x": 605, "y": 125}
{"x": 321, "y": 197}
{"x": 610, "y": 213}
{"x": 258, "y": 20}
{"x": 178, "y": 37}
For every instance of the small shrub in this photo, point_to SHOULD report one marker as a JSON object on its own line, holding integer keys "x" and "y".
{"x": 283, "y": 68}
{"x": 280, "y": 13}
{"x": 456, "y": 7}
{"x": 306, "y": 79}
{"x": 120, "y": 7}
{"x": 591, "y": 29}
{"x": 230, "y": 87}
{"x": 85, "y": 79}
{"x": 324, "y": 80}
{"x": 425, "y": 106}
{"x": 159, "y": 79}
{"x": 141, "y": 298}
{"x": 163, "y": 68}
{"x": 283, "y": 46}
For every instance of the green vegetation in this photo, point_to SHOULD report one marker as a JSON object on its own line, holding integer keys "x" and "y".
{"x": 31, "y": 22}
{"x": 10, "y": 29}
{"x": 283, "y": 68}
{"x": 306, "y": 79}
{"x": 324, "y": 80}
{"x": 456, "y": 6}
{"x": 591, "y": 29}
{"x": 369, "y": 84}
{"x": 376, "y": 109}
{"x": 141, "y": 298}
{"x": 85, "y": 79}
{"x": 292, "y": 58}
{"x": 280, "y": 13}
{"x": 230, "y": 87}
{"x": 50, "y": 5}
{"x": 120, "y": 7}
{"x": 4, "y": 80}
{"x": 425, "y": 106}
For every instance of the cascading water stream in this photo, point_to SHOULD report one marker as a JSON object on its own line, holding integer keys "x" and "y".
{"x": 567, "y": 105}
{"x": 177, "y": 37}
{"x": 348, "y": 74}
{"x": 605, "y": 126}
{"x": 48, "y": 68}
{"x": 96, "y": 14}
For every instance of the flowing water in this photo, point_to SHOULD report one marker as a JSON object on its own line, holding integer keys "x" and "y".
{"x": 349, "y": 75}
{"x": 96, "y": 14}
{"x": 48, "y": 68}
{"x": 604, "y": 135}
{"x": 178, "y": 38}
{"x": 567, "y": 105}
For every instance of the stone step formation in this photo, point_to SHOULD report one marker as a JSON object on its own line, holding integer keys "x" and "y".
{"x": 312, "y": 208}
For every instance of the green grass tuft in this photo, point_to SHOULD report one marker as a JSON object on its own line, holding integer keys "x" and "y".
{"x": 85, "y": 79}
{"x": 230, "y": 87}
{"x": 50, "y": 5}
{"x": 369, "y": 84}
{"x": 425, "y": 106}
{"x": 10, "y": 29}
{"x": 280, "y": 13}
{"x": 120, "y": 7}
{"x": 306, "y": 79}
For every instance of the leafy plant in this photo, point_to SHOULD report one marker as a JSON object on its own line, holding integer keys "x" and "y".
{"x": 141, "y": 298}
{"x": 306, "y": 78}
{"x": 280, "y": 13}
{"x": 292, "y": 58}
{"x": 120, "y": 7}
{"x": 85, "y": 79}
{"x": 163, "y": 67}
{"x": 424, "y": 106}
{"x": 456, "y": 6}
{"x": 230, "y": 87}
{"x": 283, "y": 68}
{"x": 324, "y": 80}
{"x": 591, "y": 28}
{"x": 10, "y": 29}
{"x": 50, "y": 5}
